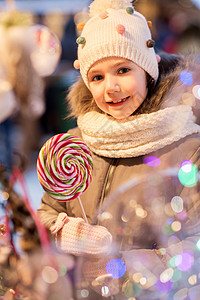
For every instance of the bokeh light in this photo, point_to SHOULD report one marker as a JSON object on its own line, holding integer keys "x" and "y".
{"x": 182, "y": 215}
{"x": 170, "y": 221}
{"x": 105, "y": 216}
{"x": 125, "y": 217}
{"x": 176, "y": 226}
{"x": 49, "y": 274}
{"x": 172, "y": 262}
{"x": 116, "y": 267}
{"x": 4, "y": 196}
{"x": 188, "y": 174}
{"x": 140, "y": 212}
{"x": 166, "y": 275}
{"x": 62, "y": 270}
{"x": 186, "y": 78}
{"x": 84, "y": 293}
{"x": 186, "y": 165}
{"x": 152, "y": 161}
{"x": 196, "y": 91}
{"x": 105, "y": 291}
{"x": 198, "y": 245}
{"x": 184, "y": 261}
{"x": 166, "y": 228}
{"x": 143, "y": 281}
{"x": 164, "y": 287}
{"x": 177, "y": 204}
{"x": 192, "y": 279}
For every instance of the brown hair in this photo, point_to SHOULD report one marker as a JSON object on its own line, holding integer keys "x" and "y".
{"x": 81, "y": 100}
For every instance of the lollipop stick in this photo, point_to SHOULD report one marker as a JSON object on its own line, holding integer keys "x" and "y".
{"x": 82, "y": 210}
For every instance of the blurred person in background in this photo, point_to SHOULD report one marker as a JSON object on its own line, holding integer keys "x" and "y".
{"x": 19, "y": 127}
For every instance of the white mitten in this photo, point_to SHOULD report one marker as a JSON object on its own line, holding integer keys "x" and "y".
{"x": 75, "y": 236}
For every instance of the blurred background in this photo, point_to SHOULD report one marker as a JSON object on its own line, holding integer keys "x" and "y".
{"x": 37, "y": 51}
{"x": 39, "y": 110}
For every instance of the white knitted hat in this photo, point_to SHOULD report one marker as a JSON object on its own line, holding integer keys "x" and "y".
{"x": 115, "y": 30}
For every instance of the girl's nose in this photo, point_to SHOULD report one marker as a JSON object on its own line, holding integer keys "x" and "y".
{"x": 111, "y": 84}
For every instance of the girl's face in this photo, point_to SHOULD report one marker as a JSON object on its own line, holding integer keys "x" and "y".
{"x": 118, "y": 86}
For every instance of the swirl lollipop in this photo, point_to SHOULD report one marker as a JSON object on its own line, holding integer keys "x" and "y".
{"x": 64, "y": 168}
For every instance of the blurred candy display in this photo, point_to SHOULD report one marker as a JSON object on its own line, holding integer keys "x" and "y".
{"x": 46, "y": 51}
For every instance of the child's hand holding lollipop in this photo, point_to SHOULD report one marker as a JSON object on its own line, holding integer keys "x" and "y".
{"x": 64, "y": 169}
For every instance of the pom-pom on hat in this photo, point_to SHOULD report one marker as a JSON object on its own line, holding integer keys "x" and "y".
{"x": 115, "y": 29}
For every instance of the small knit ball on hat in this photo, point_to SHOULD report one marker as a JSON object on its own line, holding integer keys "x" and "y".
{"x": 103, "y": 15}
{"x": 80, "y": 26}
{"x": 149, "y": 24}
{"x": 120, "y": 28}
{"x": 76, "y": 64}
{"x": 80, "y": 40}
{"x": 150, "y": 43}
{"x": 130, "y": 10}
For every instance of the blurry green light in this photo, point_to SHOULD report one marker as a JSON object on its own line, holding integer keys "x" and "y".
{"x": 198, "y": 245}
{"x": 172, "y": 262}
{"x": 167, "y": 230}
{"x": 62, "y": 270}
{"x": 188, "y": 178}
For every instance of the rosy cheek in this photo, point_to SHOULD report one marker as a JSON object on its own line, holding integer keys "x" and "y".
{"x": 96, "y": 92}
{"x": 95, "y": 95}
{"x": 92, "y": 89}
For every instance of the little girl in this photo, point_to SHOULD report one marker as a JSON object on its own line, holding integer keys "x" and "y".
{"x": 129, "y": 111}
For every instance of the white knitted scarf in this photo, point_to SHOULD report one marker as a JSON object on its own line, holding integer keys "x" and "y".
{"x": 137, "y": 135}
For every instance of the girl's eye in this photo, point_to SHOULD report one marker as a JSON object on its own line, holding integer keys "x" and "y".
{"x": 97, "y": 78}
{"x": 123, "y": 70}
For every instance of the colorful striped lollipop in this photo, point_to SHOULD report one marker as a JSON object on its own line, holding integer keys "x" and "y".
{"x": 64, "y": 167}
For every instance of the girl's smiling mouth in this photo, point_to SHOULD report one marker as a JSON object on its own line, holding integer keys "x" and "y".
{"x": 118, "y": 101}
